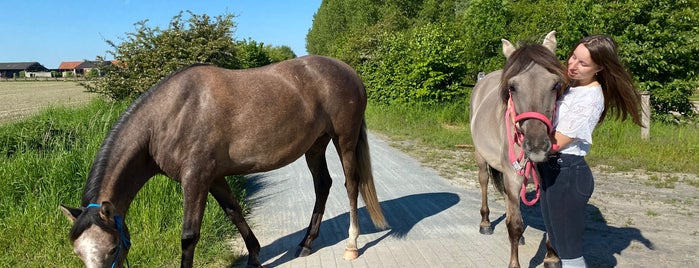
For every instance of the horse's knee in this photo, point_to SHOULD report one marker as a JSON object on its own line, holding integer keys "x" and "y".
{"x": 189, "y": 240}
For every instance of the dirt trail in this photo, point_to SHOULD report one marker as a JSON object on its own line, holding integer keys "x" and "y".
{"x": 644, "y": 218}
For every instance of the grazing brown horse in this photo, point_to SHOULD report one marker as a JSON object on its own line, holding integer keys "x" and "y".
{"x": 527, "y": 86}
{"x": 202, "y": 123}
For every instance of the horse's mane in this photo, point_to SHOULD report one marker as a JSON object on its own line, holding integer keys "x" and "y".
{"x": 99, "y": 164}
{"x": 523, "y": 58}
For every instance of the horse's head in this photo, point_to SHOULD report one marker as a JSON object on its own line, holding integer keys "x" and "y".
{"x": 532, "y": 79}
{"x": 99, "y": 235}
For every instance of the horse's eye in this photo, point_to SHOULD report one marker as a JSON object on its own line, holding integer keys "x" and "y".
{"x": 511, "y": 89}
{"x": 113, "y": 251}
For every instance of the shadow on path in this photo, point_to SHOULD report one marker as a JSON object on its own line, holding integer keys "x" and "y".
{"x": 601, "y": 241}
{"x": 402, "y": 214}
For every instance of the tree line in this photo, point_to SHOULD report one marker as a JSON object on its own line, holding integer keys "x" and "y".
{"x": 430, "y": 51}
{"x": 147, "y": 55}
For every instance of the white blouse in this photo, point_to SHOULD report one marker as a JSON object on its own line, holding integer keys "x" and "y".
{"x": 578, "y": 112}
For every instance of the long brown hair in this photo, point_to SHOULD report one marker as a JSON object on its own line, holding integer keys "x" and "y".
{"x": 620, "y": 93}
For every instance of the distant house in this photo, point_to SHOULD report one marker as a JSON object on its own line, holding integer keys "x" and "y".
{"x": 30, "y": 69}
{"x": 80, "y": 67}
{"x": 68, "y": 67}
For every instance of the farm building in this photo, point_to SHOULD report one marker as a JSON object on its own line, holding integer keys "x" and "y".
{"x": 80, "y": 67}
{"x": 30, "y": 69}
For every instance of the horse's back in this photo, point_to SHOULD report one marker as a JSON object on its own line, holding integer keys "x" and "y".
{"x": 486, "y": 113}
{"x": 254, "y": 119}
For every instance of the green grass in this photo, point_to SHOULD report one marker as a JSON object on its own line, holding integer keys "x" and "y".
{"x": 670, "y": 148}
{"x": 44, "y": 162}
{"x": 616, "y": 145}
{"x": 443, "y": 127}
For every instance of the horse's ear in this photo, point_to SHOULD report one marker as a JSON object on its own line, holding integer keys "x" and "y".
{"x": 107, "y": 211}
{"x": 71, "y": 213}
{"x": 507, "y": 48}
{"x": 550, "y": 41}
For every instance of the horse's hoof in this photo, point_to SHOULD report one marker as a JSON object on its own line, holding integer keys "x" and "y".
{"x": 303, "y": 252}
{"x": 350, "y": 254}
{"x": 521, "y": 241}
{"x": 486, "y": 230}
{"x": 553, "y": 264}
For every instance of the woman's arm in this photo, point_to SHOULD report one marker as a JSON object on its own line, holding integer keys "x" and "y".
{"x": 559, "y": 140}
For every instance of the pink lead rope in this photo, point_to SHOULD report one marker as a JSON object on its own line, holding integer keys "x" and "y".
{"x": 516, "y": 137}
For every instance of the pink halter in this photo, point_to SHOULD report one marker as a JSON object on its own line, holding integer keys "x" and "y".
{"x": 528, "y": 170}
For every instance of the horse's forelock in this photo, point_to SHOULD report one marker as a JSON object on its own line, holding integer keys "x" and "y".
{"x": 523, "y": 58}
{"x": 84, "y": 221}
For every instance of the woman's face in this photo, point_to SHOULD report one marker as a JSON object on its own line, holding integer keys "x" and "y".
{"x": 581, "y": 68}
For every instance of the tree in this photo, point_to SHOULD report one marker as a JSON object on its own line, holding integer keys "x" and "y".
{"x": 657, "y": 40}
{"x": 279, "y": 53}
{"x": 423, "y": 64}
{"x": 254, "y": 54}
{"x": 149, "y": 54}
{"x": 482, "y": 25}
{"x": 659, "y": 43}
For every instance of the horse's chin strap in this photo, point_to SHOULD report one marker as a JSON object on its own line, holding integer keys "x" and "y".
{"x": 125, "y": 241}
{"x": 516, "y": 136}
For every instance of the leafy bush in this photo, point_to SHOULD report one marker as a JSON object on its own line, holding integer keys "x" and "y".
{"x": 422, "y": 64}
{"x": 658, "y": 41}
{"x": 253, "y": 54}
{"x": 149, "y": 54}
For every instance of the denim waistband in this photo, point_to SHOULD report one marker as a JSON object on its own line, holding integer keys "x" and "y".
{"x": 567, "y": 159}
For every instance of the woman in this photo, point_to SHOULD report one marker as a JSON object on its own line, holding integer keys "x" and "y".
{"x": 599, "y": 83}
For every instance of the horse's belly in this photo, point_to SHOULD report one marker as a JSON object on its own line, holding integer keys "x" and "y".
{"x": 269, "y": 150}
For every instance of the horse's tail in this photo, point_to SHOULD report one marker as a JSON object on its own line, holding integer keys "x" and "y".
{"x": 366, "y": 180}
{"x": 498, "y": 181}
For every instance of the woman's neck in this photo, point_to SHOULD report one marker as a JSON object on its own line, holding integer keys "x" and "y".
{"x": 585, "y": 83}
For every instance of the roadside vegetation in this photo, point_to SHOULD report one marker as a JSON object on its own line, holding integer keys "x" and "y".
{"x": 44, "y": 162}
{"x": 617, "y": 145}
{"x": 430, "y": 51}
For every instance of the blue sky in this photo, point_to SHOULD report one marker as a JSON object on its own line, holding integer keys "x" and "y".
{"x": 50, "y": 32}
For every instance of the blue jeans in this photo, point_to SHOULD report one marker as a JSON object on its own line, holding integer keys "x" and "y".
{"x": 566, "y": 187}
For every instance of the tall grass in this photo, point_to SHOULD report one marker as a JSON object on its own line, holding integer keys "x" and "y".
{"x": 616, "y": 145}
{"x": 670, "y": 148}
{"x": 44, "y": 162}
{"x": 442, "y": 126}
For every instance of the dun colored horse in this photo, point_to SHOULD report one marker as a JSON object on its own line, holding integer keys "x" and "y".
{"x": 527, "y": 87}
{"x": 202, "y": 123}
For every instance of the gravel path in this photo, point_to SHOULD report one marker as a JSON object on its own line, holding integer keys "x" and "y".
{"x": 434, "y": 222}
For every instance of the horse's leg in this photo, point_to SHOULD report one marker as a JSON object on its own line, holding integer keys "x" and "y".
{"x": 346, "y": 147}
{"x": 315, "y": 159}
{"x": 551, "y": 260}
{"x": 515, "y": 225}
{"x": 222, "y": 192}
{"x": 483, "y": 177}
{"x": 194, "y": 204}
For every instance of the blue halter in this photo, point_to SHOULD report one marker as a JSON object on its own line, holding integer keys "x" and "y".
{"x": 124, "y": 240}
